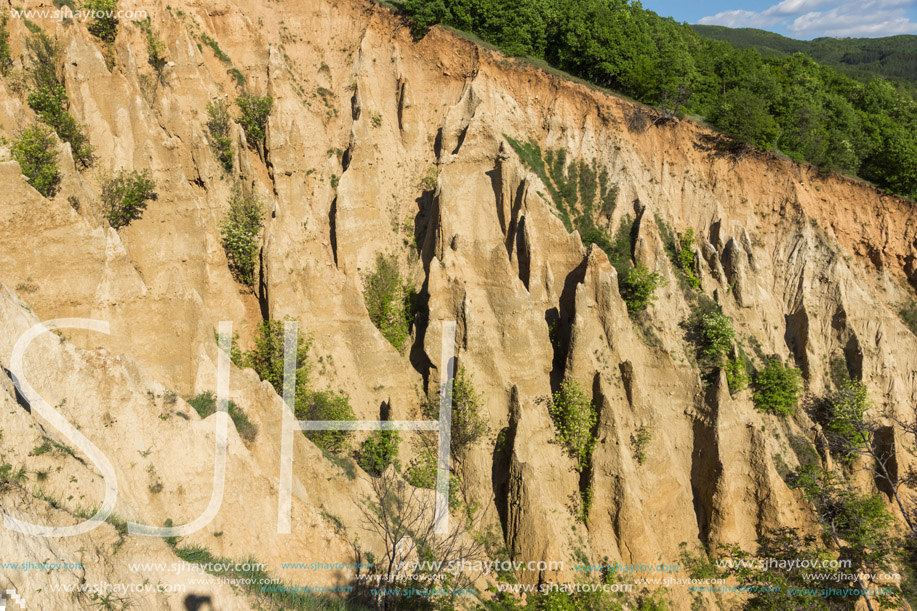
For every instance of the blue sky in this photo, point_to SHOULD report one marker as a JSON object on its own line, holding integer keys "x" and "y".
{"x": 803, "y": 19}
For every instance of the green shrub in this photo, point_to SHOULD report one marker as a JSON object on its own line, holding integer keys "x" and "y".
{"x": 155, "y": 48}
{"x": 845, "y": 409}
{"x": 327, "y": 405}
{"x": 421, "y": 473}
{"x": 468, "y": 424}
{"x": 6, "y": 58}
{"x": 255, "y": 111}
{"x": 575, "y": 419}
{"x": 389, "y": 300}
{"x": 125, "y": 196}
{"x": 908, "y": 314}
{"x": 736, "y": 374}
{"x": 218, "y": 127}
{"x": 36, "y": 152}
{"x": 640, "y": 440}
{"x": 235, "y": 352}
{"x": 379, "y": 451}
{"x": 104, "y": 25}
{"x": 638, "y": 288}
{"x": 240, "y": 230}
{"x": 777, "y": 388}
{"x": 216, "y": 49}
{"x": 266, "y": 358}
{"x": 205, "y": 404}
{"x": 712, "y": 332}
{"x": 686, "y": 260}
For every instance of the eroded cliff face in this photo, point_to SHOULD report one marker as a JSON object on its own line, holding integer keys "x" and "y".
{"x": 365, "y": 122}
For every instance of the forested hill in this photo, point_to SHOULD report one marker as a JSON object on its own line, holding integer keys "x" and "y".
{"x": 809, "y": 111}
{"x": 892, "y": 57}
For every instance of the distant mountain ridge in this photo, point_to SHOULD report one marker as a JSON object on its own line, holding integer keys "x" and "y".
{"x": 891, "y": 57}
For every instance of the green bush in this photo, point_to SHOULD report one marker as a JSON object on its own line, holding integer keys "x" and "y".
{"x": 736, "y": 374}
{"x": 155, "y": 51}
{"x": 379, "y": 451}
{"x": 104, "y": 24}
{"x": 640, "y": 440}
{"x": 327, "y": 405}
{"x": 125, "y": 196}
{"x": 421, "y": 473}
{"x": 255, "y": 111}
{"x": 712, "y": 332}
{"x": 266, "y": 358}
{"x": 575, "y": 419}
{"x": 6, "y": 58}
{"x": 845, "y": 410}
{"x": 389, "y": 300}
{"x": 468, "y": 424}
{"x": 205, "y": 404}
{"x": 218, "y": 126}
{"x": 36, "y": 152}
{"x": 908, "y": 314}
{"x": 777, "y": 388}
{"x": 686, "y": 259}
{"x": 638, "y": 288}
{"x": 240, "y": 230}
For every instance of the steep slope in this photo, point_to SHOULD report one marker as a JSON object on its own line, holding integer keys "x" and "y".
{"x": 808, "y": 267}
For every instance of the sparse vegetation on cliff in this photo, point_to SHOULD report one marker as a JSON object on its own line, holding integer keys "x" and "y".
{"x": 48, "y": 97}
{"x": 468, "y": 423}
{"x": 104, "y": 24}
{"x": 205, "y": 404}
{"x": 241, "y": 228}
{"x": 379, "y": 451}
{"x": 125, "y": 196}
{"x": 36, "y": 152}
{"x": 638, "y": 288}
{"x": 327, "y": 405}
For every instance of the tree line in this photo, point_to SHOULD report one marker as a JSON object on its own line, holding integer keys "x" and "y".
{"x": 808, "y": 111}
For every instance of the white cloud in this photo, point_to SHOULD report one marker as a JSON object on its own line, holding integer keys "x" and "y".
{"x": 842, "y": 17}
{"x": 738, "y": 19}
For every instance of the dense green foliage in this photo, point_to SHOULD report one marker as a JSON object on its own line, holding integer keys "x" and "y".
{"x": 6, "y": 59}
{"x": 809, "y": 111}
{"x": 777, "y": 388}
{"x": 379, "y": 451}
{"x": 864, "y": 59}
{"x": 104, "y": 24}
{"x": 240, "y": 230}
{"x": 218, "y": 128}
{"x": 638, "y": 288}
{"x": 255, "y": 110}
{"x": 844, "y": 411}
{"x": 48, "y": 97}
{"x": 36, "y": 152}
{"x": 686, "y": 259}
{"x": 327, "y": 405}
{"x": 736, "y": 374}
{"x": 389, "y": 300}
{"x": 712, "y": 333}
{"x": 125, "y": 196}
{"x": 575, "y": 419}
{"x": 206, "y": 403}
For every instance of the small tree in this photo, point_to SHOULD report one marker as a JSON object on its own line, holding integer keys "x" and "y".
{"x": 6, "y": 58}
{"x": 468, "y": 424}
{"x": 327, "y": 405}
{"x": 638, "y": 287}
{"x": 388, "y": 300}
{"x": 125, "y": 196}
{"x": 266, "y": 358}
{"x": 104, "y": 25}
{"x": 712, "y": 333}
{"x": 240, "y": 229}
{"x": 575, "y": 418}
{"x": 36, "y": 152}
{"x": 218, "y": 127}
{"x": 686, "y": 259}
{"x": 255, "y": 111}
{"x": 777, "y": 388}
{"x": 379, "y": 451}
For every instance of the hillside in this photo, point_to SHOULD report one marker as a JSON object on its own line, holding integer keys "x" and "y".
{"x": 648, "y": 334}
{"x": 891, "y": 57}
